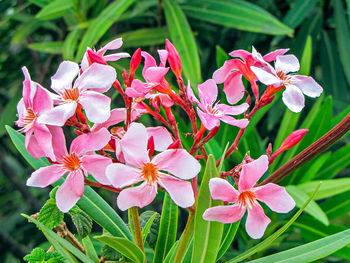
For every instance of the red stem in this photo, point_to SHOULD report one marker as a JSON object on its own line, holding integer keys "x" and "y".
{"x": 107, "y": 187}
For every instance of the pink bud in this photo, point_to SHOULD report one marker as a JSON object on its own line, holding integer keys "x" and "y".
{"x": 269, "y": 149}
{"x": 93, "y": 57}
{"x": 293, "y": 138}
{"x": 150, "y": 146}
{"x": 135, "y": 61}
{"x": 175, "y": 145}
{"x": 173, "y": 58}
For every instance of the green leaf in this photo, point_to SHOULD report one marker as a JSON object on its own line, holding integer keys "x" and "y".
{"x": 49, "y": 215}
{"x": 144, "y": 37}
{"x": 264, "y": 244}
{"x": 337, "y": 206}
{"x": 313, "y": 209}
{"x": 152, "y": 233}
{"x": 237, "y": 14}
{"x": 315, "y": 168}
{"x": 311, "y": 251}
{"x": 101, "y": 24}
{"x": 124, "y": 246}
{"x": 55, "y": 9}
{"x": 54, "y": 257}
{"x": 221, "y": 56}
{"x": 70, "y": 44}
{"x": 8, "y": 115}
{"x": 229, "y": 234}
{"x": 184, "y": 41}
{"x": 207, "y": 234}
{"x": 342, "y": 37}
{"x": 167, "y": 229}
{"x": 37, "y": 255}
{"x": 47, "y": 47}
{"x": 82, "y": 222}
{"x": 147, "y": 227}
{"x": 90, "y": 249}
{"x": 305, "y": 62}
{"x": 53, "y": 237}
{"x": 328, "y": 188}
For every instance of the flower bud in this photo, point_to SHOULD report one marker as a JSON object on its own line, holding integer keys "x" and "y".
{"x": 135, "y": 62}
{"x": 173, "y": 58}
{"x": 93, "y": 57}
{"x": 293, "y": 139}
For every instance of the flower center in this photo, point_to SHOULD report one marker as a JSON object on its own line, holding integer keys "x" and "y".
{"x": 71, "y": 162}
{"x": 150, "y": 173}
{"x": 285, "y": 78}
{"x": 213, "y": 111}
{"x": 246, "y": 199}
{"x": 29, "y": 119}
{"x": 71, "y": 94}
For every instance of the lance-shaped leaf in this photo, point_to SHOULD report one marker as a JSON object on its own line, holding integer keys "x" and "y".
{"x": 229, "y": 234}
{"x": 55, "y": 9}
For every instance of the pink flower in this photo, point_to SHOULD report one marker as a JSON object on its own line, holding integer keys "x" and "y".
{"x": 174, "y": 58}
{"x": 139, "y": 168}
{"x": 210, "y": 113}
{"x": 35, "y": 102}
{"x": 99, "y": 56}
{"x": 295, "y": 85}
{"x": 78, "y": 162}
{"x": 231, "y": 72}
{"x": 246, "y": 198}
{"x": 87, "y": 90}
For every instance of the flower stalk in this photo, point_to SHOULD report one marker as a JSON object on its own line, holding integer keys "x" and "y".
{"x": 137, "y": 227}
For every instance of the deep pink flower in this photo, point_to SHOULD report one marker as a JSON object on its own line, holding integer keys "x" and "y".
{"x": 246, "y": 198}
{"x": 81, "y": 160}
{"x": 87, "y": 90}
{"x": 100, "y": 57}
{"x": 231, "y": 72}
{"x": 35, "y": 102}
{"x": 139, "y": 168}
{"x": 295, "y": 85}
{"x": 210, "y": 113}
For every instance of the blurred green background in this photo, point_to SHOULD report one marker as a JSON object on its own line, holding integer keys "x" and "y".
{"x": 39, "y": 34}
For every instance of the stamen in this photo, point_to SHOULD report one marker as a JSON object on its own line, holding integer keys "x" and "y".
{"x": 71, "y": 162}
{"x": 71, "y": 94}
{"x": 150, "y": 173}
{"x": 28, "y": 119}
{"x": 246, "y": 199}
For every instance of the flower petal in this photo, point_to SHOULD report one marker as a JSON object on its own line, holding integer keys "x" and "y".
{"x": 180, "y": 191}
{"x": 169, "y": 161}
{"x": 70, "y": 191}
{"x": 163, "y": 56}
{"x": 42, "y": 100}
{"x": 241, "y": 53}
{"x": 220, "y": 189}
{"x": 138, "y": 89}
{"x": 97, "y": 78}
{"x": 59, "y": 114}
{"x": 45, "y": 176}
{"x": 266, "y": 77}
{"x": 272, "y": 55}
{"x": 209, "y": 121}
{"x": 28, "y": 88}
{"x": 232, "y": 110}
{"x": 149, "y": 62}
{"x": 257, "y": 222}
{"x": 242, "y": 123}
{"x": 155, "y": 74}
{"x": 287, "y": 63}
{"x": 251, "y": 173}
{"x": 134, "y": 145}
{"x": 276, "y": 197}
{"x": 307, "y": 85}
{"x": 117, "y": 116}
{"x": 32, "y": 145}
{"x": 112, "y": 45}
{"x": 59, "y": 143}
{"x": 224, "y": 214}
{"x": 88, "y": 142}
{"x": 121, "y": 175}
{"x": 234, "y": 88}
{"x": 64, "y": 76}
{"x": 191, "y": 95}
{"x": 293, "y": 98}
{"x": 161, "y": 136}
{"x": 140, "y": 196}
{"x": 208, "y": 92}
{"x": 96, "y": 166}
{"x": 96, "y": 105}
{"x": 221, "y": 74}
{"x": 44, "y": 138}
{"x": 116, "y": 56}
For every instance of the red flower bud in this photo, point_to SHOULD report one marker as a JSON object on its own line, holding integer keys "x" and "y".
{"x": 173, "y": 58}
{"x": 135, "y": 62}
{"x": 150, "y": 146}
{"x": 93, "y": 57}
{"x": 293, "y": 138}
{"x": 175, "y": 145}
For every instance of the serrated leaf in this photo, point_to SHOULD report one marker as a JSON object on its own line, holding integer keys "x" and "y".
{"x": 109, "y": 253}
{"x": 207, "y": 234}
{"x": 146, "y": 226}
{"x": 49, "y": 215}
{"x": 37, "y": 255}
{"x": 54, "y": 257}
{"x": 182, "y": 37}
{"x": 53, "y": 193}
{"x": 55, "y": 9}
{"x": 236, "y": 14}
{"x": 83, "y": 223}
{"x": 124, "y": 246}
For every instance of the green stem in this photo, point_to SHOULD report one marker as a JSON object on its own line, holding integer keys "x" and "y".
{"x": 185, "y": 239}
{"x": 137, "y": 227}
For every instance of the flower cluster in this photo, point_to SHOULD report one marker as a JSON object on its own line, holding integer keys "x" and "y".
{"x": 136, "y": 161}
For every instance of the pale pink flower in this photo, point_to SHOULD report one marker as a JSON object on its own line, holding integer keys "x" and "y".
{"x": 231, "y": 72}
{"x": 35, "y": 102}
{"x": 211, "y": 114}
{"x": 87, "y": 91}
{"x": 99, "y": 56}
{"x": 295, "y": 85}
{"x": 139, "y": 168}
{"x": 79, "y": 162}
{"x": 246, "y": 198}
{"x": 153, "y": 74}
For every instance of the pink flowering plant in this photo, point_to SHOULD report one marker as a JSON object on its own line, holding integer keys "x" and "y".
{"x": 142, "y": 154}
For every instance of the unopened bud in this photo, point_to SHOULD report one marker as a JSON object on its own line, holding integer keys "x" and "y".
{"x": 150, "y": 146}
{"x": 293, "y": 138}
{"x": 173, "y": 58}
{"x": 175, "y": 145}
{"x": 93, "y": 57}
{"x": 135, "y": 62}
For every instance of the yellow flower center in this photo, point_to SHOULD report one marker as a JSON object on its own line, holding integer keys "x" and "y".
{"x": 71, "y": 162}
{"x": 150, "y": 173}
{"x": 29, "y": 119}
{"x": 246, "y": 199}
{"x": 71, "y": 94}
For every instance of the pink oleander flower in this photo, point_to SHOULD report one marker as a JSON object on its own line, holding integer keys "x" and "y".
{"x": 138, "y": 168}
{"x": 35, "y": 102}
{"x": 247, "y": 197}
{"x": 87, "y": 91}
{"x": 99, "y": 56}
{"x": 211, "y": 114}
{"x": 79, "y": 162}
{"x": 295, "y": 85}
{"x": 231, "y": 72}
{"x": 154, "y": 76}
